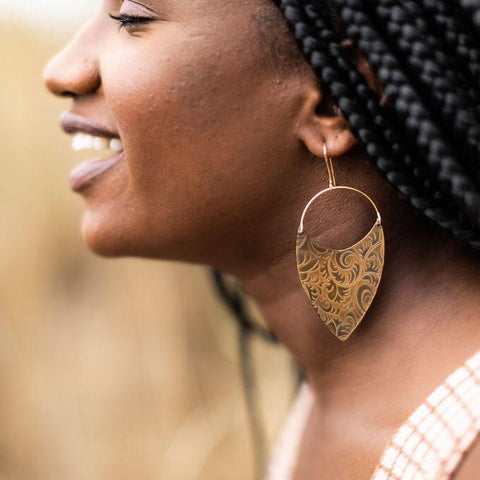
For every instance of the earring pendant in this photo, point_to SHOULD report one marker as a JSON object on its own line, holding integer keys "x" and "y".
{"x": 340, "y": 284}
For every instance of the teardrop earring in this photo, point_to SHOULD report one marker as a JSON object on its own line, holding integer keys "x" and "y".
{"x": 340, "y": 284}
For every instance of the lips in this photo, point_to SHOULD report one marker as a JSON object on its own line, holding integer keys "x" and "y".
{"x": 89, "y": 135}
{"x": 72, "y": 123}
{"x": 83, "y": 175}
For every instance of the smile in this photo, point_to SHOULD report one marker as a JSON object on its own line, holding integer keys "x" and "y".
{"x": 89, "y": 135}
{"x": 84, "y": 141}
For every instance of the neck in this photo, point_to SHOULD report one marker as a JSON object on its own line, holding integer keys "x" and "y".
{"x": 427, "y": 301}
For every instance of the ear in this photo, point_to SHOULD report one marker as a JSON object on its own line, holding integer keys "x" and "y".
{"x": 321, "y": 120}
{"x": 317, "y": 125}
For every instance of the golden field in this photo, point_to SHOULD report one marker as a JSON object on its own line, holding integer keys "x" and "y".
{"x": 119, "y": 369}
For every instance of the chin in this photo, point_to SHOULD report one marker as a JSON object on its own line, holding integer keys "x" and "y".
{"x": 103, "y": 239}
{"x": 111, "y": 236}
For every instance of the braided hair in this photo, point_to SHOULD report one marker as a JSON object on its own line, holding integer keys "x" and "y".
{"x": 426, "y": 141}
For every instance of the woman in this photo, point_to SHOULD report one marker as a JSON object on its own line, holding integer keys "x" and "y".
{"x": 221, "y": 114}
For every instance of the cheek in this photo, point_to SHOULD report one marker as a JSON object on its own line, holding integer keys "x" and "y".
{"x": 198, "y": 135}
{"x": 164, "y": 104}
{"x": 183, "y": 112}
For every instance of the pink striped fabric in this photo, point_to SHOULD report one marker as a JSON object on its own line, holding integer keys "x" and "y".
{"x": 433, "y": 440}
{"x": 429, "y": 445}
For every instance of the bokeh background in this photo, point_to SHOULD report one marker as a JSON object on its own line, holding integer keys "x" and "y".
{"x": 109, "y": 369}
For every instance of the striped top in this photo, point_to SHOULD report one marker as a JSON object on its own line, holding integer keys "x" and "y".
{"x": 429, "y": 445}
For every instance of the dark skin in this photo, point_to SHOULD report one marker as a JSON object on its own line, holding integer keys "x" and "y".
{"x": 223, "y": 149}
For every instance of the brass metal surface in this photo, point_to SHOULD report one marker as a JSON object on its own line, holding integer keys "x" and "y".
{"x": 341, "y": 284}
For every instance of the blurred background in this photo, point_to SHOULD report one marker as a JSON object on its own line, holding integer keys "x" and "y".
{"x": 109, "y": 369}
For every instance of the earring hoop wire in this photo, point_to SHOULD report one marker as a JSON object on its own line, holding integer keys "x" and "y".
{"x": 328, "y": 189}
{"x": 332, "y": 185}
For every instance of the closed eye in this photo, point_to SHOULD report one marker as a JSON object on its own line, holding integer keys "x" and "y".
{"x": 126, "y": 21}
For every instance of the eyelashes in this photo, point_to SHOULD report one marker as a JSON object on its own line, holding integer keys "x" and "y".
{"x": 127, "y": 21}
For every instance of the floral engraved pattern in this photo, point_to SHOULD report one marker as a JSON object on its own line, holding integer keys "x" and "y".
{"x": 341, "y": 284}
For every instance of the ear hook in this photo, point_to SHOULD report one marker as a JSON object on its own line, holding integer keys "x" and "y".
{"x": 333, "y": 185}
{"x": 328, "y": 161}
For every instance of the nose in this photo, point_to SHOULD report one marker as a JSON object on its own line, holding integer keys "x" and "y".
{"x": 74, "y": 70}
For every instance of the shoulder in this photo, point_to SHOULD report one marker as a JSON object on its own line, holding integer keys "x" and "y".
{"x": 469, "y": 468}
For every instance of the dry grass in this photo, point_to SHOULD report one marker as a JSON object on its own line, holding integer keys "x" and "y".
{"x": 109, "y": 369}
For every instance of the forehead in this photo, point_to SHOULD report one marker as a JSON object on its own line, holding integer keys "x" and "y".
{"x": 196, "y": 7}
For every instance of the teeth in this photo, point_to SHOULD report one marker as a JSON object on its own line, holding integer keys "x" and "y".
{"x": 116, "y": 144}
{"x": 77, "y": 141}
{"x": 83, "y": 141}
{"x": 100, "y": 143}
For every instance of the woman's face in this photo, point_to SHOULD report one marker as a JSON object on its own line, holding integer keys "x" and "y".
{"x": 205, "y": 115}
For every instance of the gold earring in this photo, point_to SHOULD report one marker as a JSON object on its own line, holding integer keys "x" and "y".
{"x": 340, "y": 284}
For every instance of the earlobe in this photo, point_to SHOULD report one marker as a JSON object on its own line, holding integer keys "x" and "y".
{"x": 316, "y": 126}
